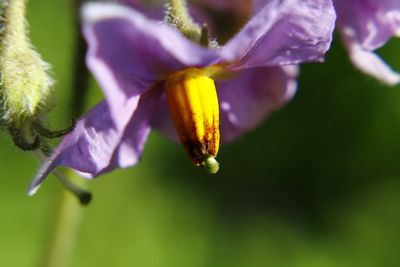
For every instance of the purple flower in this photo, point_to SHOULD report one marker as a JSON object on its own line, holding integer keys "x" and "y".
{"x": 135, "y": 58}
{"x": 367, "y": 25}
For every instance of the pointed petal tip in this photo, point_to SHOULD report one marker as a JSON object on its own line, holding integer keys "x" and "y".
{"x": 394, "y": 81}
{"x": 33, "y": 188}
{"x": 371, "y": 63}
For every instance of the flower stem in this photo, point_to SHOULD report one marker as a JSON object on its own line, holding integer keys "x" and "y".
{"x": 16, "y": 25}
{"x": 69, "y": 215}
{"x": 178, "y": 16}
{"x": 179, "y": 10}
{"x": 65, "y": 231}
{"x": 80, "y": 77}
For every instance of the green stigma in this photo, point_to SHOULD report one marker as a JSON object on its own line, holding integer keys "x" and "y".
{"x": 211, "y": 165}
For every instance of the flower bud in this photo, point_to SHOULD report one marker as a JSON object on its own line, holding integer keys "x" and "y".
{"x": 26, "y": 85}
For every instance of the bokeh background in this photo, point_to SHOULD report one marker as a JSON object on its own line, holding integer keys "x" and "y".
{"x": 317, "y": 184}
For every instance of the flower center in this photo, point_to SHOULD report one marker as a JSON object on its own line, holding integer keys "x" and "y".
{"x": 193, "y": 103}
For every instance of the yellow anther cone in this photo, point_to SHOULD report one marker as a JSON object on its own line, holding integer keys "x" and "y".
{"x": 193, "y": 103}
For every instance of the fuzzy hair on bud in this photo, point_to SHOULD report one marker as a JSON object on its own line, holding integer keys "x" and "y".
{"x": 25, "y": 86}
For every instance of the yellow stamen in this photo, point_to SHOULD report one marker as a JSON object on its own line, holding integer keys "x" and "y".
{"x": 193, "y": 103}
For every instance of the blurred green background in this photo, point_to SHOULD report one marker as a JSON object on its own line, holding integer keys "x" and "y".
{"x": 318, "y": 184}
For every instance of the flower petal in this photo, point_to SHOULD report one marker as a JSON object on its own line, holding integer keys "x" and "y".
{"x": 163, "y": 121}
{"x": 371, "y": 22}
{"x": 248, "y": 98}
{"x": 97, "y": 146}
{"x": 245, "y": 100}
{"x": 366, "y": 26}
{"x": 370, "y": 63}
{"x": 129, "y": 53}
{"x": 138, "y": 129}
{"x": 283, "y": 32}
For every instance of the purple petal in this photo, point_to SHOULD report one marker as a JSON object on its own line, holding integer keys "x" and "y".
{"x": 372, "y": 22}
{"x": 370, "y": 63}
{"x": 129, "y": 53}
{"x": 283, "y": 32}
{"x": 96, "y": 145}
{"x": 138, "y": 129}
{"x": 245, "y": 100}
{"x": 365, "y": 26}
{"x": 163, "y": 121}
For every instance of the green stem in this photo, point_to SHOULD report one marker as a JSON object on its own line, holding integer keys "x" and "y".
{"x": 16, "y": 25}
{"x": 69, "y": 215}
{"x": 178, "y": 16}
{"x": 65, "y": 232}
{"x": 80, "y": 77}
{"x": 179, "y": 10}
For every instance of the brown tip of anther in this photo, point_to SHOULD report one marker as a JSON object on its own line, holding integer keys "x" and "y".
{"x": 43, "y": 131}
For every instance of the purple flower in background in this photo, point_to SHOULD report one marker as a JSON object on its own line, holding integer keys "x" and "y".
{"x": 137, "y": 61}
{"x": 367, "y": 25}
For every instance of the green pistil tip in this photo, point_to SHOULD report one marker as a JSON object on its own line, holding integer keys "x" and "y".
{"x": 211, "y": 164}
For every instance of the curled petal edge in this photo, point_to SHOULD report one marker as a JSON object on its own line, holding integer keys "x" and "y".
{"x": 368, "y": 62}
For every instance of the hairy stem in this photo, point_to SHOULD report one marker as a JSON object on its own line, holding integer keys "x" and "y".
{"x": 179, "y": 10}
{"x": 15, "y": 16}
{"x": 179, "y": 17}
